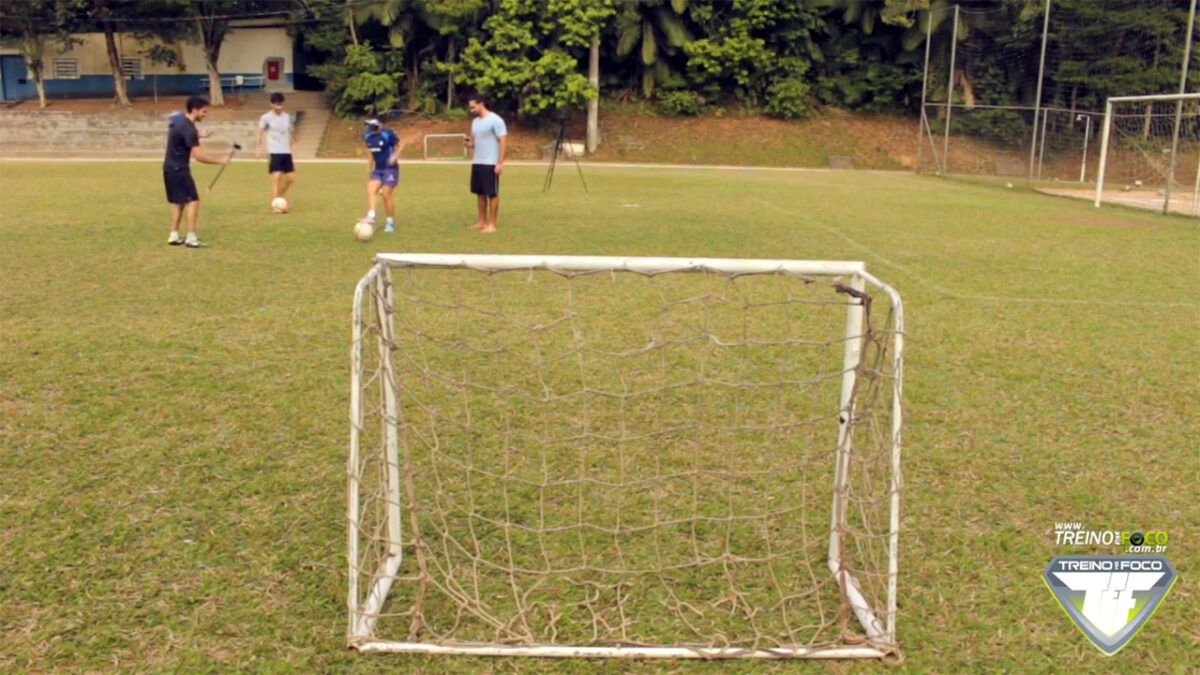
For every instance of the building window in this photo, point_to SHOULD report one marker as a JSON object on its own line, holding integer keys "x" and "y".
{"x": 64, "y": 69}
{"x": 132, "y": 68}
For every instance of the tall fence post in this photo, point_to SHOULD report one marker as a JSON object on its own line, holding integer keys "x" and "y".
{"x": 1037, "y": 105}
{"x": 922, "y": 122}
{"x": 1183, "y": 73}
{"x": 950, "y": 95}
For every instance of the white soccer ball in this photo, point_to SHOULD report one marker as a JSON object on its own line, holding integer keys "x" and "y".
{"x": 1137, "y": 183}
{"x": 363, "y": 230}
{"x": 279, "y": 205}
{"x": 1008, "y": 185}
{"x": 1127, "y": 188}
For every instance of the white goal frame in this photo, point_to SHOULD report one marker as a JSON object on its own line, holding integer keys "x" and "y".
{"x": 878, "y": 623}
{"x": 1106, "y": 130}
{"x": 425, "y": 146}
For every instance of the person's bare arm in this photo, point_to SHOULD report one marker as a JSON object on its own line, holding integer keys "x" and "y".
{"x": 258, "y": 142}
{"x": 204, "y": 157}
{"x": 503, "y": 151}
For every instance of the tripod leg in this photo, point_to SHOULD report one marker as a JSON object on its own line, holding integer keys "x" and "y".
{"x": 580, "y": 169}
{"x": 554, "y": 157}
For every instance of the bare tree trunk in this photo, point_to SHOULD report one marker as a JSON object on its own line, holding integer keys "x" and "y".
{"x": 350, "y": 22}
{"x": 114, "y": 60}
{"x": 41, "y": 87}
{"x": 212, "y": 51}
{"x": 593, "y": 105}
{"x": 450, "y": 75}
{"x": 1150, "y": 106}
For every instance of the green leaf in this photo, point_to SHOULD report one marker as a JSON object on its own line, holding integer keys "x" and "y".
{"x": 649, "y": 45}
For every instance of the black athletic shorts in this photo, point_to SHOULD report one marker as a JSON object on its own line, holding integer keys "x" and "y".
{"x": 181, "y": 189}
{"x": 281, "y": 163}
{"x": 484, "y": 180}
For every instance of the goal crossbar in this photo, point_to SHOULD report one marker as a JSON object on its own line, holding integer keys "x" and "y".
{"x": 373, "y": 296}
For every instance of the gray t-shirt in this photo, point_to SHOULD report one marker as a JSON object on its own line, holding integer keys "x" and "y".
{"x": 487, "y": 132}
{"x": 279, "y": 130}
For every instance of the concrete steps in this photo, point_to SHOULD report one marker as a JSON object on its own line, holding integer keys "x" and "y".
{"x": 134, "y": 133}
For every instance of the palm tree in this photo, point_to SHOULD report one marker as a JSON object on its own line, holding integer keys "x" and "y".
{"x": 656, "y": 30}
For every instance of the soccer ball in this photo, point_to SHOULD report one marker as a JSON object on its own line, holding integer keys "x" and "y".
{"x": 1138, "y": 183}
{"x": 1127, "y": 188}
{"x": 1008, "y": 185}
{"x": 279, "y": 205}
{"x": 363, "y": 230}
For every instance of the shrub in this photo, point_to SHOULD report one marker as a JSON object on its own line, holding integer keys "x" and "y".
{"x": 787, "y": 98}
{"x": 680, "y": 102}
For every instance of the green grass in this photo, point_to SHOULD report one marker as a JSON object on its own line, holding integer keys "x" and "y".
{"x": 173, "y": 422}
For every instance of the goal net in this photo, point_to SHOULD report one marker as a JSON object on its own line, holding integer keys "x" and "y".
{"x": 1144, "y": 161}
{"x": 640, "y": 457}
{"x": 444, "y": 146}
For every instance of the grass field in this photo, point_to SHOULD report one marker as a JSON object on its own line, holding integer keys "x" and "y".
{"x": 173, "y": 422}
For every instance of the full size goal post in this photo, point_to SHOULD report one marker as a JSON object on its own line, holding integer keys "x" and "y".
{"x": 624, "y": 457}
{"x": 1150, "y": 152}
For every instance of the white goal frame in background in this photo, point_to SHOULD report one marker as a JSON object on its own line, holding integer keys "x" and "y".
{"x": 374, "y": 297}
{"x": 462, "y": 150}
{"x": 1106, "y": 131}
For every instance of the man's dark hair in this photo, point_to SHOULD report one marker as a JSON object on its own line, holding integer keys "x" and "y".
{"x": 480, "y": 99}
{"x": 196, "y": 102}
{"x": 277, "y": 98}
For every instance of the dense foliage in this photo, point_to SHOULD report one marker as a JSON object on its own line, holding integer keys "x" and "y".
{"x": 779, "y": 57}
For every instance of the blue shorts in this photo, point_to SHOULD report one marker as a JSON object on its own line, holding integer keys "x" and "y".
{"x": 388, "y": 176}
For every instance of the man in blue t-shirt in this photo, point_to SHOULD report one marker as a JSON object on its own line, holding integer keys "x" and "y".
{"x": 489, "y": 137}
{"x": 384, "y": 147}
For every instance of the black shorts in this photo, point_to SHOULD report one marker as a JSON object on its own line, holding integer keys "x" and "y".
{"x": 281, "y": 163}
{"x": 181, "y": 189}
{"x": 484, "y": 180}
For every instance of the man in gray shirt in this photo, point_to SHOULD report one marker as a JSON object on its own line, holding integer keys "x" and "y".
{"x": 489, "y": 137}
{"x": 277, "y": 127}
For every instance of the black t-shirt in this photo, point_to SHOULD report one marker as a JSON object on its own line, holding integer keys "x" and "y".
{"x": 181, "y": 138}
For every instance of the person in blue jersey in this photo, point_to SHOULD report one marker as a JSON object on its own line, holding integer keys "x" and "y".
{"x": 384, "y": 147}
{"x": 489, "y": 137}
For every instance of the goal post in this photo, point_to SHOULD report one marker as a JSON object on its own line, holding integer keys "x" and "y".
{"x": 1142, "y": 139}
{"x": 444, "y": 146}
{"x": 576, "y": 456}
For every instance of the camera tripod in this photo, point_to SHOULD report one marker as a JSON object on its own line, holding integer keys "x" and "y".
{"x": 558, "y": 146}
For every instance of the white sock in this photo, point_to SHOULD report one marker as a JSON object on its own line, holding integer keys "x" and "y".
{"x": 174, "y": 236}
{"x": 191, "y": 236}
{"x": 390, "y": 222}
{"x": 371, "y": 215}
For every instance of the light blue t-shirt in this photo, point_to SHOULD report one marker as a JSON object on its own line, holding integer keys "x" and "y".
{"x": 487, "y": 132}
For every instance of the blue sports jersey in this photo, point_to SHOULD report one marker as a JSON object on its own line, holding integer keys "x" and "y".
{"x": 381, "y": 144}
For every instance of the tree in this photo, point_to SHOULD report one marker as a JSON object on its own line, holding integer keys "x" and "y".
{"x": 656, "y": 32}
{"x": 760, "y": 50}
{"x": 107, "y": 13}
{"x": 525, "y": 58}
{"x": 34, "y": 25}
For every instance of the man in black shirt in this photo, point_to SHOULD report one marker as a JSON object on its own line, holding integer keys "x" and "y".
{"x": 183, "y": 144}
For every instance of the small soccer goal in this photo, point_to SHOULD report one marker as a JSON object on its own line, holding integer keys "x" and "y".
{"x": 577, "y": 456}
{"x": 444, "y": 146}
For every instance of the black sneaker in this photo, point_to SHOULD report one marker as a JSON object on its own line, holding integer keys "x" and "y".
{"x": 195, "y": 243}
{"x": 178, "y": 241}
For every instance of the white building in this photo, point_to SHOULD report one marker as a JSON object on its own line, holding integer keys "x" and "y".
{"x": 255, "y": 56}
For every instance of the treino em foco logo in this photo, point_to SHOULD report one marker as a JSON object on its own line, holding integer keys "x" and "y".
{"x": 1109, "y": 597}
